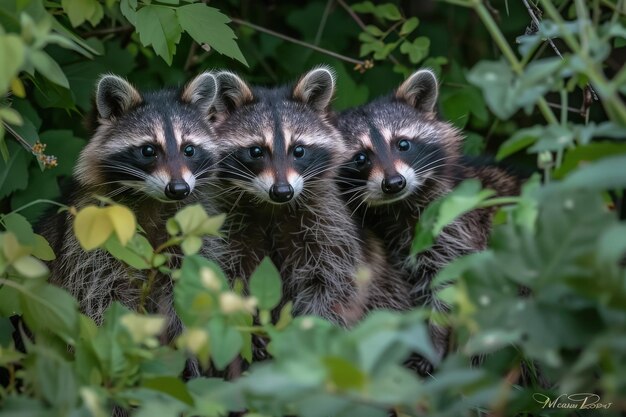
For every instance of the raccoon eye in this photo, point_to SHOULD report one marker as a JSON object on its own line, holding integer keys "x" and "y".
{"x": 256, "y": 152}
{"x": 148, "y": 151}
{"x": 298, "y": 151}
{"x": 404, "y": 145}
{"x": 189, "y": 151}
{"x": 360, "y": 159}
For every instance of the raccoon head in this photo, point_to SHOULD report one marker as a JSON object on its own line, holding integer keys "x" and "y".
{"x": 397, "y": 147}
{"x": 278, "y": 143}
{"x": 156, "y": 144}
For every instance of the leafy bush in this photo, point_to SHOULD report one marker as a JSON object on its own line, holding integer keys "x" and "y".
{"x": 563, "y": 239}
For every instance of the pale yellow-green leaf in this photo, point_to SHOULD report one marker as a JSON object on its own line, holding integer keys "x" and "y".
{"x": 18, "y": 87}
{"x": 12, "y": 53}
{"x": 11, "y": 116}
{"x": 191, "y": 218}
{"x": 212, "y": 225}
{"x": 143, "y": 328}
{"x": 191, "y": 245}
{"x": 123, "y": 221}
{"x": 12, "y": 249}
{"x": 92, "y": 227}
{"x": 42, "y": 249}
{"x": 30, "y": 267}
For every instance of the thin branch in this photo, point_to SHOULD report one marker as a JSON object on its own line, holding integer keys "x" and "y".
{"x": 299, "y": 42}
{"x": 190, "y": 57}
{"x": 352, "y": 14}
{"x": 108, "y": 31}
{"x": 537, "y": 22}
{"x": 560, "y": 107}
{"x": 320, "y": 28}
{"x": 362, "y": 25}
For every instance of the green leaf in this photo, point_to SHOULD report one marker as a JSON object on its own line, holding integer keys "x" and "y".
{"x": 50, "y": 308}
{"x": 49, "y": 68}
{"x": 265, "y": 284}
{"x": 207, "y": 25}
{"x": 130, "y": 254}
{"x": 225, "y": 341}
{"x": 30, "y": 267}
{"x": 388, "y": 11}
{"x": 159, "y": 27}
{"x": 520, "y": 140}
{"x": 12, "y": 52}
{"x": 191, "y": 245}
{"x": 409, "y": 26}
{"x": 581, "y": 155}
{"x": 373, "y": 30}
{"x": 80, "y": 11}
{"x": 20, "y": 227}
{"x": 171, "y": 386}
{"x": 14, "y": 171}
{"x": 343, "y": 374}
{"x": 465, "y": 197}
{"x": 605, "y": 174}
{"x": 55, "y": 378}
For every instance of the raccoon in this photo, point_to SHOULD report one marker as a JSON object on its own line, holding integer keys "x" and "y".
{"x": 151, "y": 152}
{"x": 401, "y": 158}
{"x": 280, "y": 156}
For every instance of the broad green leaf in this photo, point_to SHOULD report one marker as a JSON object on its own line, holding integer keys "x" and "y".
{"x": 409, "y": 26}
{"x": 191, "y": 245}
{"x": 143, "y": 328}
{"x": 80, "y": 11}
{"x": 12, "y": 52}
{"x": 48, "y": 67}
{"x": 14, "y": 171}
{"x": 520, "y": 140}
{"x": 129, "y": 10}
{"x": 20, "y": 227}
{"x": 159, "y": 27}
{"x": 388, "y": 11}
{"x": 30, "y": 267}
{"x": 343, "y": 374}
{"x": 92, "y": 227}
{"x": 50, "y": 308}
{"x": 207, "y": 25}
{"x": 171, "y": 386}
{"x": 265, "y": 284}
{"x": 225, "y": 341}
{"x": 581, "y": 155}
{"x": 129, "y": 254}
{"x": 55, "y": 378}
{"x": 604, "y": 174}
{"x": 464, "y": 198}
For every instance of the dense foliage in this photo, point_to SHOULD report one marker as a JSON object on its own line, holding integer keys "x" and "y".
{"x": 539, "y": 84}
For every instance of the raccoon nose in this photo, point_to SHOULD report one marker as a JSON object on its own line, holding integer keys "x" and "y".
{"x": 393, "y": 184}
{"x": 281, "y": 193}
{"x": 177, "y": 190}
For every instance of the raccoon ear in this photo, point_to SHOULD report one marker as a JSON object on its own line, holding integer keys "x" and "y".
{"x": 232, "y": 92}
{"x": 316, "y": 88}
{"x": 114, "y": 96}
{"x": 420, "y": 90}
{"x": 201, "y": 91}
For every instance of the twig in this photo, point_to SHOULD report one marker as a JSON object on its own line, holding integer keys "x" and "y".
{"x": 558, "y": 106}
{"x": 190, "y": 57}
{"x": 536, "y": 21}
{"x": 108, "y": 31}
{"x": 362, "y": 25}
{"x": 352, "y": 14}
{"x": 299, "y": 42}
{"x": 320, "y": 28}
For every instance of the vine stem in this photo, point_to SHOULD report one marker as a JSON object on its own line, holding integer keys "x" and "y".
{"x": 605, "y": 89}
{"x": 298, "y": 42}
{"x": 508, "y": 53}
{"x": 499, "y": 201}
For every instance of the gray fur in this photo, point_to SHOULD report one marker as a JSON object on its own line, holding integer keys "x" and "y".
{"x": 95, "y": 278}
{"x": 115, "y": 96}
{"x": 435, "y": 171}
{"x": 312, "y": 239}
